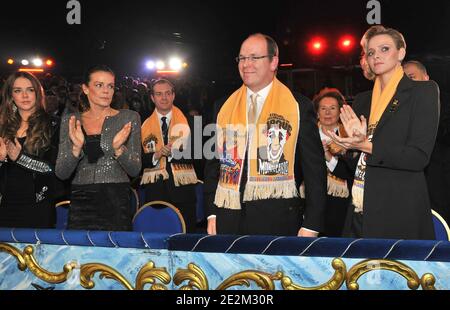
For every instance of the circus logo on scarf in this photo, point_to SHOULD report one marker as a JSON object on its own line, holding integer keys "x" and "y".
{"x": 230, "y": 162}
{"x": 271, "y": 159}
{"x": 362, "y": 163}
{"x": 150, "y": 143}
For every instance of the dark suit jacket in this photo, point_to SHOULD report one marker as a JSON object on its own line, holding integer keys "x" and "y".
{"x": 438, "y": 171}
{"x": 396, "y": 203}
{"x": 309, "y": 167}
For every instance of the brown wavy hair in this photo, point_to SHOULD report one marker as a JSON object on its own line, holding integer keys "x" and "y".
{"x": 39, "y": 130}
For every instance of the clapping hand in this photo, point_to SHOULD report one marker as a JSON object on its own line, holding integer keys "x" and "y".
{"x": 3, "y": 151}
{"x": 120, "y": 138}
{"x": 13, "y": 149}
{"x": 166, "y": 150}
{"x": 76, "y": 136}
{"x": 326, "y": 149}
{"x": 352, "y": 124}
{"x": 356, "y": 130}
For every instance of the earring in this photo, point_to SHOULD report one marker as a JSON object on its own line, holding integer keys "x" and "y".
{"x": 14, "y": 108}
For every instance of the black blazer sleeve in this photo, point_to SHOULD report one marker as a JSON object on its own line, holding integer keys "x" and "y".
{"x": 444, "y": 120}
{"x": 312, "y": 168}
{"x": 346, "y": 166}
{"x": 415, "y": 153}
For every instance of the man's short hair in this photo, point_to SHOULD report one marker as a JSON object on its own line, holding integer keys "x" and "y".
{"x": 272, "y": 46}
{"x": 418, "y": 64}
{"x": 160, "y": 81}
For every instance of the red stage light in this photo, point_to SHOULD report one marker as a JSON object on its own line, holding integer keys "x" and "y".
{"x": 49, "y": 62}
{"x": 317, "y": 46}
{"x": 346, "y": 43}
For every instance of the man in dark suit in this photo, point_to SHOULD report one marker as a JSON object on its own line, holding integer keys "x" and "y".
{"x": 166, "y": 166}
{"x": 268, "y": 214}
{"x": 438, "y": 171}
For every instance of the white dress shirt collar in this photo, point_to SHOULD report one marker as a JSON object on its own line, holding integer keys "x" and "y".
{"x": 262, "y": 94}
{"x": 168, "y": 117}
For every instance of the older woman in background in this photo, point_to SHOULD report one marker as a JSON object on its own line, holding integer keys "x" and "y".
{"x": 327, "y": 104}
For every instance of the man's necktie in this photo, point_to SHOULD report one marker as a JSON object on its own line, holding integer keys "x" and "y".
{"x": 252, "y": 109}
{"x": 165, "y": 130}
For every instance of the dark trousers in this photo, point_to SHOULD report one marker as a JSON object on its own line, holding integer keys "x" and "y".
{"x": 272, "y": 219}
{"x": 438, "y": 181}
{"x": 335, "y": 216}
{"x": 229, "y": 222}
{"x": 189, "y": 213}
{"x": 355, "y": 229}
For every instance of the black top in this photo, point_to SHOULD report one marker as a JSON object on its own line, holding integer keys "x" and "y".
{"x": 92, "y": 148}
{"x": 18, "y": 207}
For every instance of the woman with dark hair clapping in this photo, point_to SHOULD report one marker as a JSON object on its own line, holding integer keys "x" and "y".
{"x": 100, "y": 147}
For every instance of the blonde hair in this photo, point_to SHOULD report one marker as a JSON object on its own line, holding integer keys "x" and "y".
{"x": 374, "y": 31}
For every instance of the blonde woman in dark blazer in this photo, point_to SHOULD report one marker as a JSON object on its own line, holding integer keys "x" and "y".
{"x": 392, "y": 129}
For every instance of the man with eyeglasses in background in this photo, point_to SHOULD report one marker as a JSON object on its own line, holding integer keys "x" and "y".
{"x": 267, "y": 143}
{"x": 167, "y": 161}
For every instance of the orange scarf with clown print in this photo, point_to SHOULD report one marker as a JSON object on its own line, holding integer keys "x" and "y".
{"x": 152, "y": 141}
{"x": 380, "y": 101}
{"x": 271, "y": 148}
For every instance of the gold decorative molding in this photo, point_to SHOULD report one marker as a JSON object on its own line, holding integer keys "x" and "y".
{"x": 266, "y": 281}
{"x": 263, "y": 279}
{"x": 413, "y": 281}
{"x": 13, "y": 251}
{"x": 149, "y": 274}
{"x": 194, "y": 275}
{"x": 43, "y": 274}
{"x": 88, "y": 271}
{"x": 334, "y": 283}
{"x": 146, "y": 275}
{"x": 26, "y": 260}
{"x": 427, "y": 282}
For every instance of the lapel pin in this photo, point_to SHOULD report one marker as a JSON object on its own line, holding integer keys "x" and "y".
{"x": 394, "y": 106}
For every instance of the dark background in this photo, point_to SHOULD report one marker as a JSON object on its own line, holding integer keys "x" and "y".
{"x": 208, "y": 34}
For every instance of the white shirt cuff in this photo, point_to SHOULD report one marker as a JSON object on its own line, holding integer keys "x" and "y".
{"x": 331, "y": 165}
{"x": 213, "y": 216}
